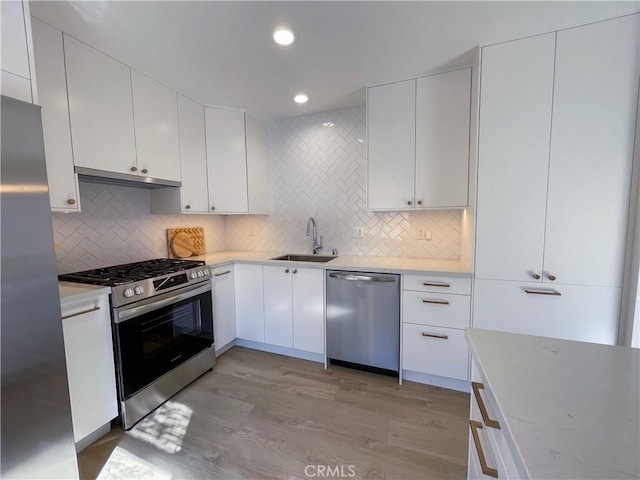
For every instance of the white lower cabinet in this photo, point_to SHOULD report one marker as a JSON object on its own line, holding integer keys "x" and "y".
{"x": 224, "y": 306}
{"x": 435, "y": 312}
{"x": 294, "y": 307}
{"x": 249, "y": 302}
{"x": 86, "y": 326}
{"x": 572, "y": 312}
{"x": 435, "y": 351}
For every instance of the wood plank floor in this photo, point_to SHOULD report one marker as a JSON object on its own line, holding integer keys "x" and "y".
{"x": 261, "y": 415}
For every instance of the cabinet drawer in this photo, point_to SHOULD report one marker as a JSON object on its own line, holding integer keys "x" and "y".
{"x": 435, "y": 351}
{"x": 437, "y": 284}
{"x": 436, "y": 309}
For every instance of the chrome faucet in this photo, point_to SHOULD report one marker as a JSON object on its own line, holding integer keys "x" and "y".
{"x": 311, "y": 229}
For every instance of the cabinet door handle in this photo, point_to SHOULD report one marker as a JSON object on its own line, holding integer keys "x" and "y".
{"x": 71, "y": 201}
{"x": 286, "y": 271}
{"x": 486, "y": 469}
{"x": 295, "y": 270}
{"x": 213, "y": 208}
{"x": 409, "y": 203}
{"x": 187, "y": 207}
{"x": 551, "y": 277}
{"x": 221, "y": 273}
{"x": 84, "y": 312}
{"x": 535, "y": 276}
{"x": 483, "y": 409}
{"x": 437, "y": 302}
{"x": 435, "y": 335}
{"x": 134, "y": 169}
{"x": 554, "y": 293}
{"x": 436, "y": 284}
{"x": 419, "y": 202}
{"x": 145, "y": 171}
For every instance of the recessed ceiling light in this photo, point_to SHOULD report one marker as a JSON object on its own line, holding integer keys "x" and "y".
{"x": 327, "y": 124}
{"x": 300, "y": 98}
{"x": 283, "y": 36}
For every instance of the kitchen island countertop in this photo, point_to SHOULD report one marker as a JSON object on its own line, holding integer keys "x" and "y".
{"x": 347, "y": 262}
{"x": 568, "y": 409}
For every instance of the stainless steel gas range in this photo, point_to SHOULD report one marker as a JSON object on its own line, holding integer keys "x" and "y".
{"x": 162, "y": 324}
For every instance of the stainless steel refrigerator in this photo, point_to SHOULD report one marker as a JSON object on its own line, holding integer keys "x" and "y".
{"x": 36, "y": 433}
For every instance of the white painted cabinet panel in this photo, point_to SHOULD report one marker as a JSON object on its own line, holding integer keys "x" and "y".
{"x": 594, "y": 109}
{"x": 257, "y": 165}
{"x": 224, "y": 306}
{"x": 443, "y": 104}
{"x": 582, "y": 313}
{"x": 435, "y": 351}
{"x": 101, "y": 110}
{"x": 155, "y": 110}
{"x": 15, "y": 56}
{"x": 226, "y": 160}
{"x": 249, "y": 302}
{"x": 515, "y": 127}
{"x": 15, "y": 86}
{"x": 193, "y": 156}
{"x": 90, "y": 365}
{"x": 52, "y": 95}
{"x": 391, "y": 145}
{"x": 278, "y": 307}
{"x": 439, "y": 309}
{"x": 308, "y": 309}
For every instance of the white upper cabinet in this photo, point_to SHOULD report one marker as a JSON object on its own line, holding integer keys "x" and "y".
{"x": 515, "y": 127}
{"x": 16, "y": 57}
{"x": 418, "y": 142}
{"x": 443, "y": 105}
{"x": 391, "y": 145}
{"x": 101, "y": 109}
{"x": 193, "y": 156}
{"x": 555, "y": 155}
{"x": 156, "y": 128}
{"x": 594, "y": 109}
{"x": 226, "y": 160}
{"x": 52, "y": 95}
{"x": 257, "y": 165}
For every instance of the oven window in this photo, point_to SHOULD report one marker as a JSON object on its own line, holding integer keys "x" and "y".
{"x": 155, "y": 343}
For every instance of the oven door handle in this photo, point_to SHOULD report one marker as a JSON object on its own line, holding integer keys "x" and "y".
{"x": 123, "y": 314}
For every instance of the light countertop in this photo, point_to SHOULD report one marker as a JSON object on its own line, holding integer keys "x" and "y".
{"x": 71, "y": 292}
{"x": 571, "y": 409}
{"x": 347, "y": 262}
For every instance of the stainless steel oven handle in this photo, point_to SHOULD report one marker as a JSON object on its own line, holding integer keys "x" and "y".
{"x": 124, "y": 314}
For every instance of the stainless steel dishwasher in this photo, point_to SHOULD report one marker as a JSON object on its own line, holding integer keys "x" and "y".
{"x": 363, "y": 320}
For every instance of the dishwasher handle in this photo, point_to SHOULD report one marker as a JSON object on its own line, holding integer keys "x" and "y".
{"x": 361, "y": 278}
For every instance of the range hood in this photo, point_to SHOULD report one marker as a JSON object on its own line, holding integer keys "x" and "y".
{"x": 93, "y": 175}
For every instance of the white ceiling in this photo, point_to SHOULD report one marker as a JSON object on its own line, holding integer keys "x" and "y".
{"x": 221, "y": 53}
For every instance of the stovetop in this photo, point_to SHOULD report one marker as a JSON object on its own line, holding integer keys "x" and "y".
{"x": 131, "y": 272}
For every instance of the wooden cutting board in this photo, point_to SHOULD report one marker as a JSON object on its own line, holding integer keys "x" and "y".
{"x": 185, "y": 242}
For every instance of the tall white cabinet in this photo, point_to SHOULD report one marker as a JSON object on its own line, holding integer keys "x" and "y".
{"x": 557, "y": 122}
{"x": 16, "y": 58}
{"x": 52, "y": 95}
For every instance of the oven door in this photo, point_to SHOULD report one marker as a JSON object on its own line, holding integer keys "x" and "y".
{"x": 158, "y": 334}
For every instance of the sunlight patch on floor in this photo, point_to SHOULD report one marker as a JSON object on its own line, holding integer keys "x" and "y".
{"x": 124, "y": 464}
{"x": 165, "y": 428}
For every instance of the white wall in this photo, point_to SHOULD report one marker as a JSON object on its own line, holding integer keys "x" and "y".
{"x": 320, "y": 171}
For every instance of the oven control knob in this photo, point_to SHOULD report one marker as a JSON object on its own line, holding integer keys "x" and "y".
{"x": 128, "y": 292}
{"x": 193, "y": 275}
{"x": 138, "y": 290}
{"x": 200, "y": 273}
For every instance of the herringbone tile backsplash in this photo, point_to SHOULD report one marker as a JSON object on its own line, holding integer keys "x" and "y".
{"x": 317, "y": 167}
{"x": 314, "y": 170}
{"x": 116, "y": 226}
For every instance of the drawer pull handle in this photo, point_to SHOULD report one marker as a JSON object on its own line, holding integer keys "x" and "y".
{"x": 435, "y": 335}
{"x": 94, "y": 309}
{"x": 483, "y": 410}
{"x": 554, "y": 293}
{"x": 487, "y": 470}
{"x": 437, "y": 302}
{"x": 221, "y": 273}
{"x": 436, "y": 284}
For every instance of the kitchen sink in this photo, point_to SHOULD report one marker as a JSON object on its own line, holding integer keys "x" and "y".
{"x": 305, "y": 258}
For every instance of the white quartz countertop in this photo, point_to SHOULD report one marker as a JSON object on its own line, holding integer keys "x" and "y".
{"x": 347, "y": 262}
{"x": 571, "y": 409}
{"x": 71, "y": 292}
